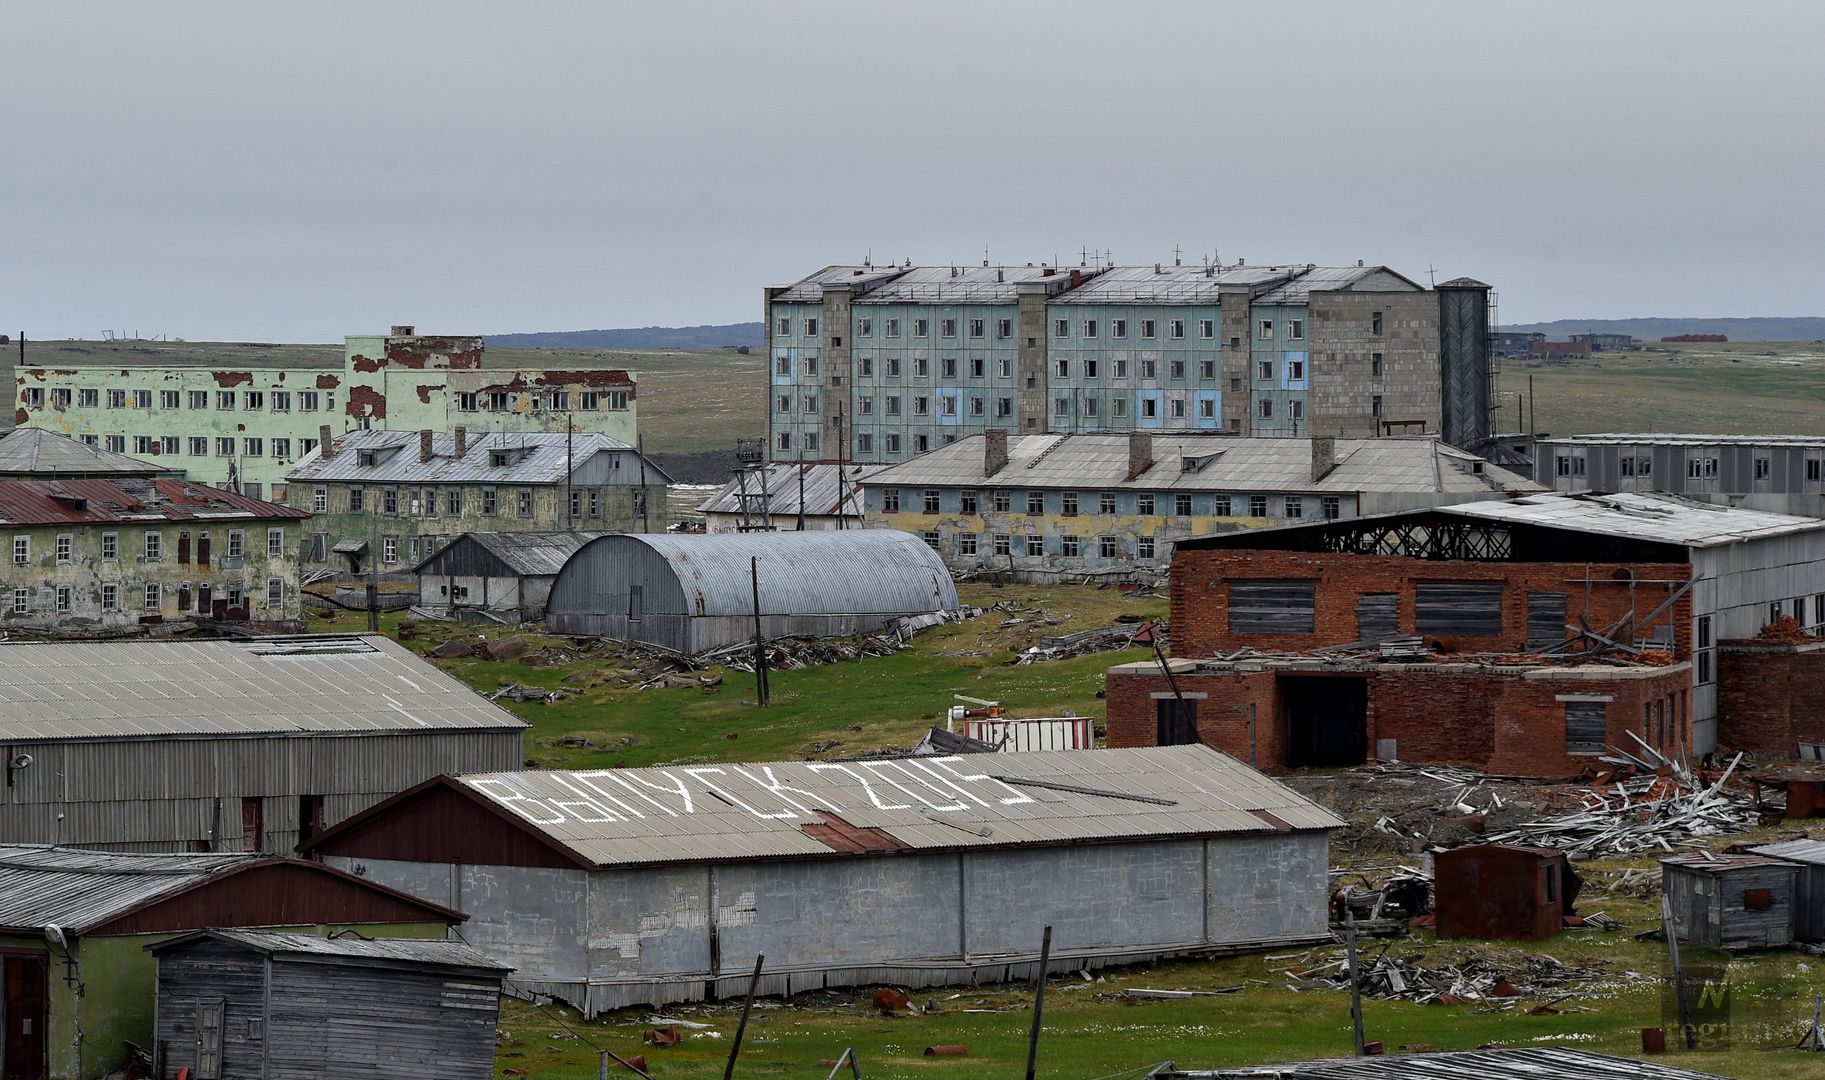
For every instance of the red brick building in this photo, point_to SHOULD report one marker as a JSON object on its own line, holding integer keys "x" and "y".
{"x": 1517, "y": 637}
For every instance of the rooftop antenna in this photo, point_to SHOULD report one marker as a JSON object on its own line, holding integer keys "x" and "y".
{"x": 1083, "y": 256}
{"x": 985, "y": 254}
{"x": 868, "y": 259}
{"x": 1176, "y": 259}
{"x": 1431, "y": 276}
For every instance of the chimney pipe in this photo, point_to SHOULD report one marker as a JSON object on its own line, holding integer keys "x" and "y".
{"x": 462, "y": 442}
{"x": 424, "y": 444}
{"x": 1324, "y": 456}
{"x": 1140, "y": 453}
{"x": 994, "y": 451}
{"x": 326, "y": 446}
{"x": 1077, "y": 277}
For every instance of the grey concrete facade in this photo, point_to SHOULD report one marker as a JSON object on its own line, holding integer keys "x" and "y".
{"x": 1775, "y": 473}
{"x": 610, "y": 938}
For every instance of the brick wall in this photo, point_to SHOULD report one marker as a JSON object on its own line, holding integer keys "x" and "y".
{"x": 1200, "y": 608}
{"x": 1768, "y": 695}
{"x": 1508, "y": 721}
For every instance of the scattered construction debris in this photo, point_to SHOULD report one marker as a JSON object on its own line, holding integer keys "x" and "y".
{"x": 1122, "y": 635}
{"x": 1629, "y": 812}
{"x": 1473, "y": 980}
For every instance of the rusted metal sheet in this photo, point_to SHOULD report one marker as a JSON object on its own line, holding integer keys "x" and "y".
{"x": 1503, "y": 891}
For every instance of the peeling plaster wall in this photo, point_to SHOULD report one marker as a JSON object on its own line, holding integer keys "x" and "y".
{"x": 175, "y": 572}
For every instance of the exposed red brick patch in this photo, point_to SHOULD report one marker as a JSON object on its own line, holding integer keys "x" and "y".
{"x": 367, "y": 401}
{"x": 328, "y": 382}
{"x": 226, "y": 379}
{"x": 363, "y": 364}
{"x": 424, "y": 392}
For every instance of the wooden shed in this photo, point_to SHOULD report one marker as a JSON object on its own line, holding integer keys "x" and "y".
{"x": 1731, "y": 901}
{"x": 1503, "y": 891}
{"x": 259, "y": 1005}
{"x": 1809, "y": 887}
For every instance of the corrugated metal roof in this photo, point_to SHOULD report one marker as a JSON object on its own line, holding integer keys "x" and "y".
{"x": 1640, "y": 516}
{"x": 708, "y": 812}
{"x": 960, "y": 284}
{"x": 1650, "y": 438}
{"x": 72, "y": 888}
{"x": 130, "y": 499}
{"x": 531, "y": 457}
{"x": 1171, "y": 284}
{"x": 828, "y": 572}
{"x": 1803, "y": 850}
{"x": 46, "y": 454}
{"x": 530, "y": 554}
{"x": 1229, "y": 463}
{"x": 811, "y": 289}
{"x": 327, "y": 684}
{"x": 1717, "y": 864}
{"x": 1502, "y": 1063}
{"x": 782, "y": 481}
{"x": 428, "y": 952}
{"x": 1299, "y": 290}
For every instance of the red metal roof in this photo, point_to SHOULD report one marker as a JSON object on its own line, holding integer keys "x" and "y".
{"x": 56, "y": 502}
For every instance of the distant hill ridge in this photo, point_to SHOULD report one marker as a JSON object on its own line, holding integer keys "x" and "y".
{"x": 1785, "y": 328}
{"x": 645, "y": 337}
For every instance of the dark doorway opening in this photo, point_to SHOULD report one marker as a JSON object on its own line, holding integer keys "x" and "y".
{"x": 27, "y": 987}
{"x": 1177, "y": 721}
{"x": 1327, "y": 719}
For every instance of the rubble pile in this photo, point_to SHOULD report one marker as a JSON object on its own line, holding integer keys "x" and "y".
{"x": 1122, "y": 635}
{"x": 1473, "y": 980}
{"x": 1633, "y": 812}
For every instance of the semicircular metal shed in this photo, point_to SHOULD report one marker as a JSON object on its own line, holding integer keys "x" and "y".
{"x": 697, "y": 592}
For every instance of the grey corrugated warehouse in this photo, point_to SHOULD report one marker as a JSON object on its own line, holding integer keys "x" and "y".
{"x": 258, "y": 1005}
{"x": 620, "y": 886}
{"x": 506, "y": 575}
{"x": 166, "y": 745}
{"x": 694, "y": 593}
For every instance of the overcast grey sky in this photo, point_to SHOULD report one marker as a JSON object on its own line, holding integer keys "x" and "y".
{"x": 295, "y": 172}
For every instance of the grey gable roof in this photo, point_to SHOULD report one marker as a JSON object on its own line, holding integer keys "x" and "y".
{"x": 324, "y": 684}
{"x": 533, "y": 457}
{"x": 528, "y": 554}
{"x": 42, "y": 454}
{"x": 369, "y": 952}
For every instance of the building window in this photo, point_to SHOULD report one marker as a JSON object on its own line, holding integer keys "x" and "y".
{"x": 357, "y": 500}
{"x": 1089, "y": 328}
{"x": 931, "y": 500}
{"x": 307, "y": 401}
{"x": 525, "y": 502}
{"x": 1176, "y": 328}
{"x": 142, "y": 399}
{"x": 864, "y": 327}
{"x": 152, "y": 597}
{"x": 170, "y": 444}
{"x": 224, "y": 446}
{"x": 810, "y": 327}
{"x": 1004, "y": 368}
{"x": 1586, "y": 726}
{"x": 253, "y": 447}
{"x": 1176, "y": 407}
{"x": 1207, "y": 329}
{"x": 1176, "y": 369}
{"x": 948, "y": 366}
{"x": 1295, "y": 506}
{"x": 893, "y": 328}
{"x": 1702, "y": 651}
{"x": 1762, "y": 468}
{"x": 866, "y": 364}
{"x": 1036, "y": 546}
{"x": 1061, "y": 328}
{"x": 281, "y": 449}
{"x": 1569, "y": 465}
{"x": 22, "y": 550}
{"x": 237, "y": 543}
{"x": 110, "y": 597}
{"x": 893, "y": 404}
{"x": 1150, "y": 408}
{"x": 22, "y": 601}
{"x": 810, "y": 403}
{"x": 921, "y": 405}
{"x": 1266, "y": 330}
{"x": 890, "y": 500}
{"x": 921, "y": 328}
{"x": 1257, "y": 506}
{"x": 975, "y": 406}
{"x": 198, "y": 399}
{"x": 1814, "y": 469}
{"x": 966, "y": 543}
{"x": 275, "y": 591}
{"x": 1147, "y": 330}
{"x": 1265, "y": 408}
{"x": 864, "y": 406}
{"x": 1375, "y": 364}
{"x": 1219, "y": 505}
{"x": 1181, "y": 504}
{"x": 1295, "y": 409}
{"x": 1295, "y": 329}
{"x": 930, "y": 536}
{"x": 1002, "y": 501}
{"x": 966, "y": 502}
{"x": 389, "y": 500}
{"x": 1004, "y": 328}
{"x": 1143, "y": 503}
{"x": 142, "y": 444}
{"x": 947, "y": 328}
{"x": 1004, "y": 406}
{"x": 1068, "y": 503}
{"x": 1003, "y": 544}
{"x": 389, "y": 549}
{"x": 1375, "y": 405}
{"x": 65, "y": 546}
{"x": 1295, "y": 369}
{"x": 1118, "y": 328}
{"x": 320, "y": 499}
{"x": 1331, "y": 507}
{"x": 490, "y": 502}
{"x": 893, "y": 443}
{"x": 1036, "y": 502}
{"x": 1375, "y": 323}
{"x": 89, "y": 399}
{"x": 1067, "y": 546}
{"x": 595, "y": 503}
{"x": 275, "y": 542}
{"x": 1105, "y": 502}
{"x": 155, "y": 546}
{"x": 110, "y": 546}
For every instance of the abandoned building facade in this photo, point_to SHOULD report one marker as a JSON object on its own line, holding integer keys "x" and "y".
{"x": 624, "y": 886}
{"x": 1046, "y": 507}
{"x": 248, "y": 420}
{"x": 99, "y": 553}
{"x": 695, "y": 593}
{"x": 1782, "y": 474}
{"x": 400, "y": 496}
{"x": 268, "y": 740}
{"x": 880, "y": 364}
{"x": 1460, "y": 634}
{"x": 777, "y": 496}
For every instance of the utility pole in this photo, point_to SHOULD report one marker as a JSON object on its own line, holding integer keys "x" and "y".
{"x": 1039, "y": 1002}
{"x": 760, "y": 645}
{"x": 728, "y": 1071}
{"x": 1349, "y": 922}
{"x": 570, "y": 465}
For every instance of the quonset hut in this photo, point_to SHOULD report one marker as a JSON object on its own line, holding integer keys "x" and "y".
{"x": 621, "y": 886}
{"x": 694, "y": 593}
